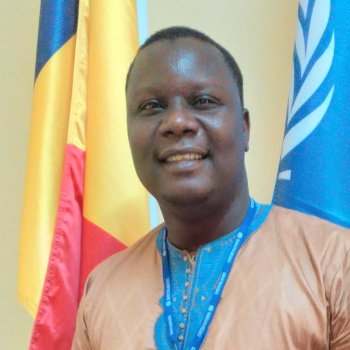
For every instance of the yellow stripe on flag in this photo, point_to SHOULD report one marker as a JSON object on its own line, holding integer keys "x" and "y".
{"x": 114, "y": 198}
{"x": 48, "y": 137}
{"x": 78, "y": 111}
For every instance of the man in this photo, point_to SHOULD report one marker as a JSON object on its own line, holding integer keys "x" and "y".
{"x": 226, "y": 272}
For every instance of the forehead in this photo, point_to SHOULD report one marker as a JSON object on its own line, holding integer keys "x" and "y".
{"x": 195, "y": 61}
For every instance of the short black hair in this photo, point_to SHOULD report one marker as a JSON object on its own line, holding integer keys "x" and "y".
{"x": 174, "y": 33}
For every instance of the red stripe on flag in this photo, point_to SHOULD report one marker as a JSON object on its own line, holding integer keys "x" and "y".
{"x": 96, "y": 246}
{"x": 55, "y": 321}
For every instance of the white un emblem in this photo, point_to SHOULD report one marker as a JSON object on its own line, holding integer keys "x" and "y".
{"x": 168, "y": 303}
{"x": 211, "y": 308}
{"x": 239, "y": 235}
{"x": 313, "y": 74}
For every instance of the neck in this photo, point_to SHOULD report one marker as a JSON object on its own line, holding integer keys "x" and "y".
{"x": 193, "y": 226}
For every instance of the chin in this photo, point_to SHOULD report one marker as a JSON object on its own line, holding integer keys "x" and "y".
{"x": 187, "y": 197}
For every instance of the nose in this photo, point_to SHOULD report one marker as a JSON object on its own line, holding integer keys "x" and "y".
{"x": 178, "y": 122}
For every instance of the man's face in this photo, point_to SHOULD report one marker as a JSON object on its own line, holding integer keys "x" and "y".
{"x": 186, "y": 126}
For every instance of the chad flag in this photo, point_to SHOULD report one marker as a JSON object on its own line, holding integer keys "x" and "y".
{"x": 83, "y": 200}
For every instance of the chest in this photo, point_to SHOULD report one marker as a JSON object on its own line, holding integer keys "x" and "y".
{"x": 268, "y": 303}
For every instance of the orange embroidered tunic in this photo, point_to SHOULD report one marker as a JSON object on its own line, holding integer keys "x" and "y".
{"x": 288, "y": 289}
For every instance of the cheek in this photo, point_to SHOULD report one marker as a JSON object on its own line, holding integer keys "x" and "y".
{"x": 141, "y": 160}
{"x": 226, "y": 139}
{"x": 233, "y": 137}
{"x": 139, "y": 139}
{"x": 228, "y": 150}
{"x": 225, "y": 128}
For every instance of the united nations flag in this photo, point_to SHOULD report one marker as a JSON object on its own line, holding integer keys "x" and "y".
{"x": 314, "y": 171}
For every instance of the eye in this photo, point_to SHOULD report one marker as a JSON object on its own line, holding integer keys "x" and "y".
{"x": 205, "y": 102}
{"x": 151, "y": 106}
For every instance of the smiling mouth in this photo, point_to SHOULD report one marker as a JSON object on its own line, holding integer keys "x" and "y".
{"x": 186, "y": 156}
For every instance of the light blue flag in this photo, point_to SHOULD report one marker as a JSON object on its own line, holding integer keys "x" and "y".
{"x": 314, "y": 171}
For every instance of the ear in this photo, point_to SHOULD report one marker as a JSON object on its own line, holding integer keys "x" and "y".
{"x": 246, "y": 128}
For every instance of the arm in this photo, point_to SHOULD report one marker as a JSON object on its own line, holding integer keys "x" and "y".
{"x": 81, "y": 337}
{"x": 339, "y": 304}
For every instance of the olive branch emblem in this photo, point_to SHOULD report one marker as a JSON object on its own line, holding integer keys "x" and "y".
{"x": 305, "y": 48}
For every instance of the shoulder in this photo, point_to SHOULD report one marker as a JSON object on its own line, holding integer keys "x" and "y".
{"x": 303, "y": 234}
{"x": 131, "y": 261}
{"x": 310, "y": 258}
{"x": 307, "y": 226}
{"x": 116, "y": 291}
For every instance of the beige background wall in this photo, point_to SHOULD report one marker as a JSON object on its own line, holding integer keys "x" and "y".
{"x": 18, "y": 33}
{"x": 259, "y": 33}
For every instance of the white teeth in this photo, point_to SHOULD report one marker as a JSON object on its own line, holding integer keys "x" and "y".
{"x": 187, "y": 156}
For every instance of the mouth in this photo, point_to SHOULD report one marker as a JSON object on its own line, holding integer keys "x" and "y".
{"x": 184, "y": 162}
{"x": 183, "y": 155}
{"x": 186, "y": 156}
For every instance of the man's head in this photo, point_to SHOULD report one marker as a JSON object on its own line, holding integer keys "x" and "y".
{"x": 174, "y": 33}
{"x": 187, "y": 128}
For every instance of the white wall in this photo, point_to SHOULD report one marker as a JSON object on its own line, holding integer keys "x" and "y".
{"x": 18, "y": 35}
{"x": 259, "y": 33}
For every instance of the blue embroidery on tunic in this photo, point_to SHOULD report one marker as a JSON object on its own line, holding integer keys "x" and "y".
{"x": 192, "y": 290}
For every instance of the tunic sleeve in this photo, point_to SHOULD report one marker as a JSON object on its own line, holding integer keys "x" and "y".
{"x": 340, "y": 307}
{"x": 81, "y": 336}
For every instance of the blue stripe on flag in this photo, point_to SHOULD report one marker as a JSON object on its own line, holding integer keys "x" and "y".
{"x": 314, "y": 171}
{"x": 58, "y": 22}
